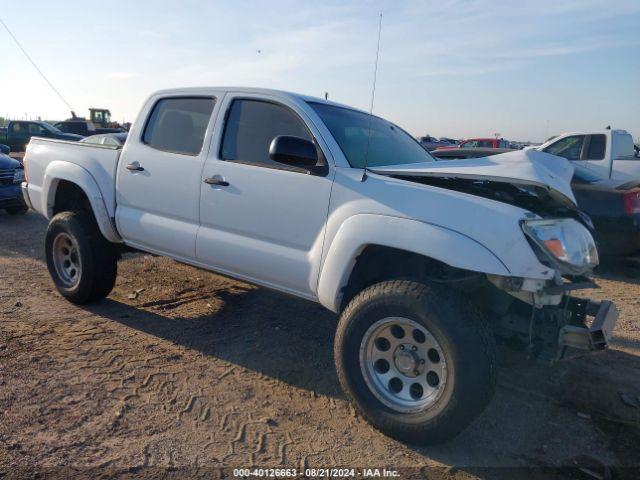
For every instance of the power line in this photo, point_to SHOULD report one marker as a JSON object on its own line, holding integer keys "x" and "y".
{"x": 34, "y": 65}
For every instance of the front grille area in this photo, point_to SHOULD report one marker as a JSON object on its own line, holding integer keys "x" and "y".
{"x": 6, "y": 176}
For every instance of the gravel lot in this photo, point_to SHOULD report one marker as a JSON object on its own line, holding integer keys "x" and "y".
{"x": 199, "y": 370}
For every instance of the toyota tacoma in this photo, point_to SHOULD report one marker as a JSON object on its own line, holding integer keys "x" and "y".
{"x": 426, "y": 262}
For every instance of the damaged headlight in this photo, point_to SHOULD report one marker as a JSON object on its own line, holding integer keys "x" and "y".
{"x": 564, "y": 241}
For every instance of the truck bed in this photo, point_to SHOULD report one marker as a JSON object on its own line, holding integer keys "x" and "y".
{"x": 99, "y": 161}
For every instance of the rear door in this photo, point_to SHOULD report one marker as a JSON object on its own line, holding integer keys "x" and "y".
{"x": 266, "y": 221}
{"x": 159, "y": 175}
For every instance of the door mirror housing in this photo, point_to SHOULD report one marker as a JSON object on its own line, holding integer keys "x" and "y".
{"x": 5, "y": 149}
{"x": 293, "y": 151}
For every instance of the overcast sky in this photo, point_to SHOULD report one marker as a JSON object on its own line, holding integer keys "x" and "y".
{"x": 459, "y": 68}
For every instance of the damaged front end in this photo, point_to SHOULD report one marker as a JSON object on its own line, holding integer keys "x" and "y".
{"x": 538, "y": 313}
{"x": 548, "y": 321}
{"x": 545, "y": 318}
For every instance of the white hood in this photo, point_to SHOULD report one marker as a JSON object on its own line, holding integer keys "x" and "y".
{"x": 520, "y": 167}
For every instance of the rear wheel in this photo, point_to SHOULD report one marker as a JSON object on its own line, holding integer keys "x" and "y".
{"x": 418, "y": 361}
{"x": 81, "y": 262}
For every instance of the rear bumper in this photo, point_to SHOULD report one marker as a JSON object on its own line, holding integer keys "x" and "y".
{"x": 619, "y": 236}
{"x": 25, "y": 195}
{"x": 578, "y": 334}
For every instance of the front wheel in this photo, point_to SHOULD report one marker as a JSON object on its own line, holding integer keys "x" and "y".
{"x": 82, "y": 263}
{"x": 418, "y": 361}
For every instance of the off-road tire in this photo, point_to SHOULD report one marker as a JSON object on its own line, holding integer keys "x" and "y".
{"x": 467, "y": 342}
{"x": 19, "y": 210}
{"x": 97, "y": 254}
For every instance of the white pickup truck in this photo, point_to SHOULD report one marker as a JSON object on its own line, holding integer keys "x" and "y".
{"x": 609, "y": 153}
{"x": 426, "y": 262}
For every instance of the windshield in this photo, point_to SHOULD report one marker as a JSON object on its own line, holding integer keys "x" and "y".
{"x": 389, "y": 144}
{"x": 48, "y": 126}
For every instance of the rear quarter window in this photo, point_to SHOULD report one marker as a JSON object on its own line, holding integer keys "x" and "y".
{"x": 623, "y": 147}
{"x": 179, "y": 124}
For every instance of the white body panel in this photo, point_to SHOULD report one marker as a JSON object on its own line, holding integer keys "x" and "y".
{"x": 92, "y": 167}
{"x": 291, "y": 231}
{"x": 521, "y": 167}
{"x": 616, "y": 164}
{"x": 159, "y": 207}
{"x": 268, "y": 224}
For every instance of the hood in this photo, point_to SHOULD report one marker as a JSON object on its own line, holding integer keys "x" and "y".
{"x": 526, "y": 168}
{"x": 6, "y": 162}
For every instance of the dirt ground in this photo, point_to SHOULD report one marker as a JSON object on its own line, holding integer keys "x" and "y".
{"x": 197, "y": 370}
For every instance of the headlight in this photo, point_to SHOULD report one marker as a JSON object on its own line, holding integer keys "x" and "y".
{"x": 565, "y": 241}
{"x": 18, "y": 175}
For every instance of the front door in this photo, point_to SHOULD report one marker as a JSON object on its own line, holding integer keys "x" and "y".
{"x": 159, "y": 175}
{"x": 261, "y": 220}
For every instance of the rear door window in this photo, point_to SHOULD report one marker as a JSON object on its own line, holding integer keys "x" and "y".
{"x": 568, "y": 147}
{"x": 597, "y": 145}
{"x": 179, "y": 125}
{"x": 17, "y": 127}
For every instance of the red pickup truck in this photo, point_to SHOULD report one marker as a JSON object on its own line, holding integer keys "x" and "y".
{"x": 480, "y": 143}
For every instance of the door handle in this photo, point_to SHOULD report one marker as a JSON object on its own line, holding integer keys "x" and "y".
{"x": 216, "y": 181}
{"x": 135, "y": 167}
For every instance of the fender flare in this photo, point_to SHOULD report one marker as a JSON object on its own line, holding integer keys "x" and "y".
{"x": 59, "y": 170}
{"x": 433, "y": 241}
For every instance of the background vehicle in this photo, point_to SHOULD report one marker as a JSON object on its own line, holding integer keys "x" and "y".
{"x": 113, "y": 139}
{"x": 423, "y": 260}
{"x": 99, "y": 122}
{"x": 431, "y": 143}
{"x": 612, "y": 205}
{"x": 11, "y": 176}
{"x": 481, "y": 143}
{"x": 450, "y": 141}
{"x": 80, "y": 126}
{"x": 614, "y": 208}
{"x": 19, "y": 133}
{"x": 459, "y": 153}
{"x": 609, "y": 153}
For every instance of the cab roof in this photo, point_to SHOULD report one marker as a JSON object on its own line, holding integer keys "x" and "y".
{"x": 252, "y": 90}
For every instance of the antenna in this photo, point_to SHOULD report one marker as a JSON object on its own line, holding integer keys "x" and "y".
{"x": 373, "y": 96}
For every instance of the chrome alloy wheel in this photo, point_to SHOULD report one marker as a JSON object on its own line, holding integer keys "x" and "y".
{"x": 403, "y": 364}
{"x": 66, "y": 259}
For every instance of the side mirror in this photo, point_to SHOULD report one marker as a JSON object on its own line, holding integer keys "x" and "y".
{"x": 294, "y": 151}
{"x": 5, "y": 149}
